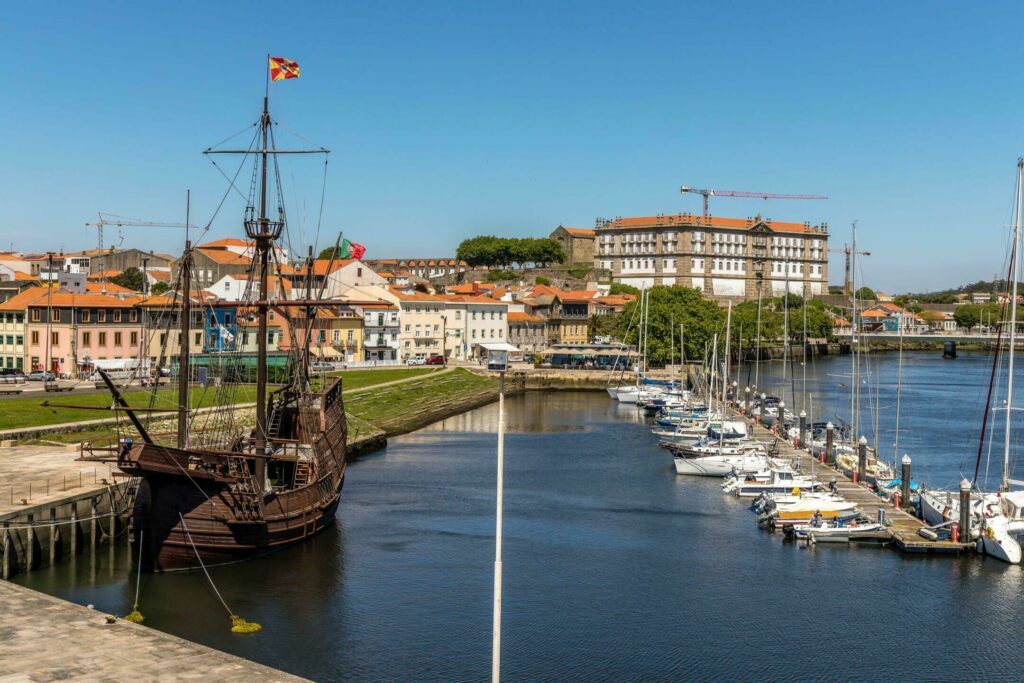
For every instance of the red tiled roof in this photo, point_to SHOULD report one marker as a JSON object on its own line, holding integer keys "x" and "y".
{"x": 710, "y": 221}
{"x": 579, "y": 232}
{"x": 517, "y": 317}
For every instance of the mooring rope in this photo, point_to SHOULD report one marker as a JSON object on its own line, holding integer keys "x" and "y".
{"x": 135, "y": 616}
{"x": 238, "y": 624}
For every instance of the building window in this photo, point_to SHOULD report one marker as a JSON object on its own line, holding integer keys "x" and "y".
{"x": 199, "y": 338}
{"x": 133, "y": 316}
{"x": 35, "y": 338}
{"x": 56, "y": 315}
{"x": 55, "y": 338}
{"x": 101, "y": 315}
{"x": 135, "y": 338}
{"x": 117, "y": 339}
{"x": 103, "y": 338}
{"x": 117, "y": 316}
{"x": 85, "y": 315}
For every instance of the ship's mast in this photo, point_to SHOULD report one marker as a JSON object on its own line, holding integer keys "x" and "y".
{"x": 263, "y": 232}
{"x": 186, "y": 332}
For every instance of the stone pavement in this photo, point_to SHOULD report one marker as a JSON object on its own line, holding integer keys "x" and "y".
{"x": 43, "y": 638}
{"x": 52, "y": 471}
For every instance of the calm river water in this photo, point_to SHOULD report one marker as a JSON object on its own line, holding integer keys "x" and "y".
{"x": 616, "y": 569}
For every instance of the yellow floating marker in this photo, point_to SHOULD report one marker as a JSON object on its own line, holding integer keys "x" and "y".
{"x": 240, "y": 625}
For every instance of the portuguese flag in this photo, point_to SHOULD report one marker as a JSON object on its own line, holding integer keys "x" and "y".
{"x": 351, "y": 250}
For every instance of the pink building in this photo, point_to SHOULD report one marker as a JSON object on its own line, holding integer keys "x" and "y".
{"x": 68, "y": 332}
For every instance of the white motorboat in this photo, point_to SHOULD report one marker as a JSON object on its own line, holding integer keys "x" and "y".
{"x": 721, "y": 465}
{"x": 778, "y": 481}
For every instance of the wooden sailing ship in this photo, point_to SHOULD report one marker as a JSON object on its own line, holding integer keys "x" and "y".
{"x": 251, "y": 493}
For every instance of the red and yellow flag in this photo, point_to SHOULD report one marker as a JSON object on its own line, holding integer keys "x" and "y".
{"x": 281, "y": 68}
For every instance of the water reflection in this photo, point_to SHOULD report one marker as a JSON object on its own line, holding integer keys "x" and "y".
{"x": 615, "y": 569}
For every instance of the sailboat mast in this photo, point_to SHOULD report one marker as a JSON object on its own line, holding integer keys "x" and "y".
{"x": 757, "y": 351}
{"x": 725, "y": 365}
{"x": 785, "y": 340}
{"x": 1014, "y": 275}
{"x": 854, "y": 379}
{"x": 186, "y": 333}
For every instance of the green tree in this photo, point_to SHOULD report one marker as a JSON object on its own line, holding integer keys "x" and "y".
{"x": 966, "y": 316}
{"x": 491, "y": 251}
{"x": 620, "y": 288}
{"x": 671, "y": 306}
{"x": 541, "y": 280}
{"x": 132, "y": 278}
{"x": 607, "y": 325}
{"x": 327, "y": 254}
{"x": 867, "y": 294}
{"x": 159, "y": 288}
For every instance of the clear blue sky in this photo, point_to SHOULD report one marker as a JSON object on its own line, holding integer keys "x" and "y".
{"x": 448, "y": 119}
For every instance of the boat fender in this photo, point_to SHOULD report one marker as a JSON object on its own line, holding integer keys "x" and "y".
{"x": 945, "y": 512}
{"x": 990, "y": 532}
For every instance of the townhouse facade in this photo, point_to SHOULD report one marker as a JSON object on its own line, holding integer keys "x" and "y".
{"x": 381, "y": 330}
{"x": 726, "y": 258}
{"x": 424, "y": 326}
{"x": 471, "y": 321}
{"x": 527, "y": 332}
{"x": 66, "y": 333}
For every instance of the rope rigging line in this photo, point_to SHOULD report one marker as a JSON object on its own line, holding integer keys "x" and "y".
{"x": 238, "y": 625}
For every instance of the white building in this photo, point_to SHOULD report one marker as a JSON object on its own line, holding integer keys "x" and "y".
{"x": 470, "y": 321}
{"x": 381, "y": 330}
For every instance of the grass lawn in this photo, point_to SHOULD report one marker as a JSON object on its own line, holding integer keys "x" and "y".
{"x": 29, "y": 411}
{"x": 388, "y": 404}
{"x": 357, "y": 379}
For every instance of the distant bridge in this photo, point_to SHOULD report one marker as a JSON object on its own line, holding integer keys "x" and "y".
{"x": 937, "y": 337}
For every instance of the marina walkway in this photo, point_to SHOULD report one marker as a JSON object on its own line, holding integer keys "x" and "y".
{"x": 43, "y": 638}
{"x": 902, "y": 532}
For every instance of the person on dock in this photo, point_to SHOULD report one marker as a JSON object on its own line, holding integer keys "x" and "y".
{"x": 816, "y": 518}
{"x": 832, "y": 485}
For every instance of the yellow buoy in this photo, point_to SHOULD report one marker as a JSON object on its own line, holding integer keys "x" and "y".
{"x": 240, "y": 625}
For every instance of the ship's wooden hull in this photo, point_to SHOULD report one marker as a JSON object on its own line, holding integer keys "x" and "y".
{"x": 168, "y": 540}
{"x": 192, "y": 504}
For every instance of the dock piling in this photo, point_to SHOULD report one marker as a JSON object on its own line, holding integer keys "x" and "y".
{"x": 862, "y": 457}
{"x": 74, "y": 528}
{"x": 802, "y": 440}
{"x": 8, "y": 549}
{"x": 763, "y": 399}
{"x": 965, "y": 510}
{"x": 830, "y": 436}
{"x": 30, "y": 549}
{"x": 905, "y": 481}
{"x": 53, "y": 536}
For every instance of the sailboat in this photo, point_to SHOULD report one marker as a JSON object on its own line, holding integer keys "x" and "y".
{"x": 255, "y": 492}
{"x": 1004, "y": 517}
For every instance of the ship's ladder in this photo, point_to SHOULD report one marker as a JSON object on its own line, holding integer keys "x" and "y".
{"x": 248, "y": 499}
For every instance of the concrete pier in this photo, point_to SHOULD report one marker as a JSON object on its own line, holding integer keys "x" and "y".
{"x": 43, "y": 638}
{"x": 53, "y": 505}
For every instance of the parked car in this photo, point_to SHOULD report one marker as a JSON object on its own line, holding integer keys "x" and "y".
{"x": 15, "y": 377}
{"x": 417, "y": 360}
{"x": 436, "y": 360}
{"x": 321, "y": 366}
{"x": 339, "y": 365}
{"x": 41, "y": 376}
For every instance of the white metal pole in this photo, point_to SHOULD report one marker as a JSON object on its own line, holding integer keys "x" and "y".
{"x": 496, "y": 645}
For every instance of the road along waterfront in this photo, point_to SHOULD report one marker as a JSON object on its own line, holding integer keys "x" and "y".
{"x": 615, "y": 569}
